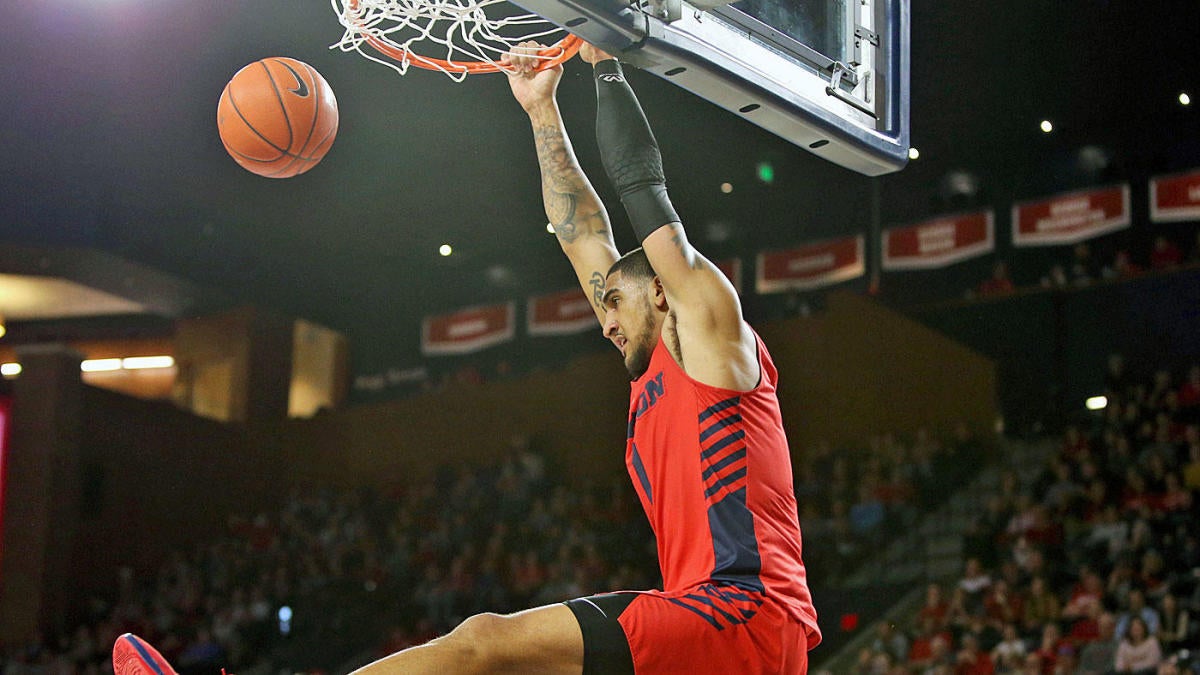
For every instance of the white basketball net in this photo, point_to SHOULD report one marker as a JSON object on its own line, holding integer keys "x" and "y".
{"x": 457, "y": 30}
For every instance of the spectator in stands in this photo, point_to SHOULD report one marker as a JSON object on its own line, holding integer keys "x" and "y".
{"x": 1174, "y": 627}
{"x": 1041, "y": 606}
{"x": 1189, "y": 391}
{"x": 1191, "y": 471}
{"x": 1086, "y": 628}
{"x": 1164, "y": 254}
{"x": 1000, "y": 605}
{"x": 1049, "y": 645}
{"x": 935, "y": 608}
{"x": 1084, "y": 269}
{"x": 1099, "y": 656}
{"x": 1137, "y": 609}
{"x": 1009, "y": 654}
{"x": 930, "y": 646}
{"x": 1139, "y": 652}
{"x": 997, "y": 284}
{"x": 1116, "y": 377}
{"x": 1122, "y": 267}
{"x": 890, "y": 641}
{"x": 974, "y": 585}
{"x": 971, "y": 660}
{"x": 1056, "y": 278}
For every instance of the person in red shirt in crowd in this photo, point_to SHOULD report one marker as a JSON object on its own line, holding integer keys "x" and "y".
{"x": 1134, "y": 494}
{"x": 1189, "y": 392}
{"x": 1000, "y": 605}
{"x": 971, "y": 660}
{"x": 997, "y": 284}
{"x": 1122, "y": 267}
{"x": 1087, "y": 628}
{"x": 936, "y": 607}
{"x": 1048, "y": 649}
{"x": 1087, "y": 591}
{"x": 1165, "y": 254}
{"x": 931, "y": 644}
{"x": 1075, "y": 445}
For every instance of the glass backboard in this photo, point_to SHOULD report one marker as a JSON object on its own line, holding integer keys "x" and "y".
{"x": 831, "y": 76}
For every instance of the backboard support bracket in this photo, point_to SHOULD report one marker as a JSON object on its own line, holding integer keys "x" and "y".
{"x": 835, "y": 89}
{"x": 666, "y": 10}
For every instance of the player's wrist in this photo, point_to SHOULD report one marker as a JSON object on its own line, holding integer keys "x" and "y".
{"x": 541, "y": 109}
{"x": 608, "y": 66}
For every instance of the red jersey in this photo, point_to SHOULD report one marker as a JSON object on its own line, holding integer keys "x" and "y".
{"x": 712, "y": 469}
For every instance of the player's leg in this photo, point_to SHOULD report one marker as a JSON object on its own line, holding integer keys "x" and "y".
{"x": 541, "y": 640}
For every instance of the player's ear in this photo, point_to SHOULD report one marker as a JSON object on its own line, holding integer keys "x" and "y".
{"x": 659, "y": 295}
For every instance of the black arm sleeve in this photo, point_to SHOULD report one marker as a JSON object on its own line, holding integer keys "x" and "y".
{"x": 629, "y": 152}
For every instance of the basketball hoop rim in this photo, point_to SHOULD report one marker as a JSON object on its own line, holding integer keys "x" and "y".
{"x": 551, "y": 57}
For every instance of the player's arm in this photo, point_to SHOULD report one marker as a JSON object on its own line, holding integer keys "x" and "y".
{"x": 572, "y": 206}
{"x": 707, "y": 311}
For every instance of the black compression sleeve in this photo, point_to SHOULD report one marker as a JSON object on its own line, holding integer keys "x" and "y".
{"x": 629, "y": 152}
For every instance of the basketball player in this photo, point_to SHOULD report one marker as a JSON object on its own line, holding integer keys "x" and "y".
{"x": 705, "y": 450}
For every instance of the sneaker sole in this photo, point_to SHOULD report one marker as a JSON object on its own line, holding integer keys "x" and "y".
{"x": 133, "y": 656}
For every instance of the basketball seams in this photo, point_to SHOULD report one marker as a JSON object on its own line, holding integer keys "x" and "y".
{"x": 233, "y": 104}
{"x": 283, "y": 107}
{"x": 315, "y": 90}
{"x": 257, "y": 110}
{"x": 289, "y": 168}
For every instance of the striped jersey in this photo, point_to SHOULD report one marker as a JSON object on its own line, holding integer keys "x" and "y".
{"x": 712, "y": 470}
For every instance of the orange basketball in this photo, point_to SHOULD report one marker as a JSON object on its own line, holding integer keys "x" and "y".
{"x": 277, "y": 117}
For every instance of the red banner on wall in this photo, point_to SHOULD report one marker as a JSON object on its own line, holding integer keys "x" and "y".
{"x": 1072, "y": 217}
{"x": 1175, "y": 198}
{"x": 939, "y": 242}
{"x": 560, "y": 313}
{"x": 468, "y": 330}
{"x": 811, "y": 265}
{"x": 732, "y": 269}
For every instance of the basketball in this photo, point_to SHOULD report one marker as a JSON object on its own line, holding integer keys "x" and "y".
{"x": 277, "y": 117}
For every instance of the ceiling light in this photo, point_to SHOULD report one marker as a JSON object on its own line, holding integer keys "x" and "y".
{"x": 10, "y": 369}
{"x": 1184, "y": 99}
{"x": 445, "y": 250}
{"x": 100, "y": 365}
{"x": 146, "y": 362}
{"x": 550, "y": 228}
{"x": 726, "y": 187}
{"x": 1046, "y": 126}
{"x": 914, "y": 153}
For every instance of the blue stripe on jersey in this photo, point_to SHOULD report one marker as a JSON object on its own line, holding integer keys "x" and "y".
{"x": 705, "y": 600}
{"x": 699, "y": 612}
{"x": 722, "y": 444}
{"x": 729, "y": 459}
{"x": 719, "y": 425}
{"x": 718, "y": 407}
{"x": 641, "y": 474}
{"x": 736, "y": 560}
{"x": 726, "y": 481}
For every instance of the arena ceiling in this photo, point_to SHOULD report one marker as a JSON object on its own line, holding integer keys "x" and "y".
{"x": 108, "y": 143}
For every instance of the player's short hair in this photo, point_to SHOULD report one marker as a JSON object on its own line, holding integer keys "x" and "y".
{"x": 633, "y": 264}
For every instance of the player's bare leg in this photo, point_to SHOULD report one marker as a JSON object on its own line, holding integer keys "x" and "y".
{"x": 546, "y": 640}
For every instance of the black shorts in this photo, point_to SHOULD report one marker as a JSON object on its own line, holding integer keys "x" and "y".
{"x": 605, "y": 647}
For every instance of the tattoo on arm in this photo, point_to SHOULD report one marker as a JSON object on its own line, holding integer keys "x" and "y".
{"x": 562, "y": 183}
{"x": 597, "y": 284}
{"x": 693, "y": 259}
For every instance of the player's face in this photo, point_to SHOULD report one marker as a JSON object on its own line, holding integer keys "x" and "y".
{"x": 629, "y": 320}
